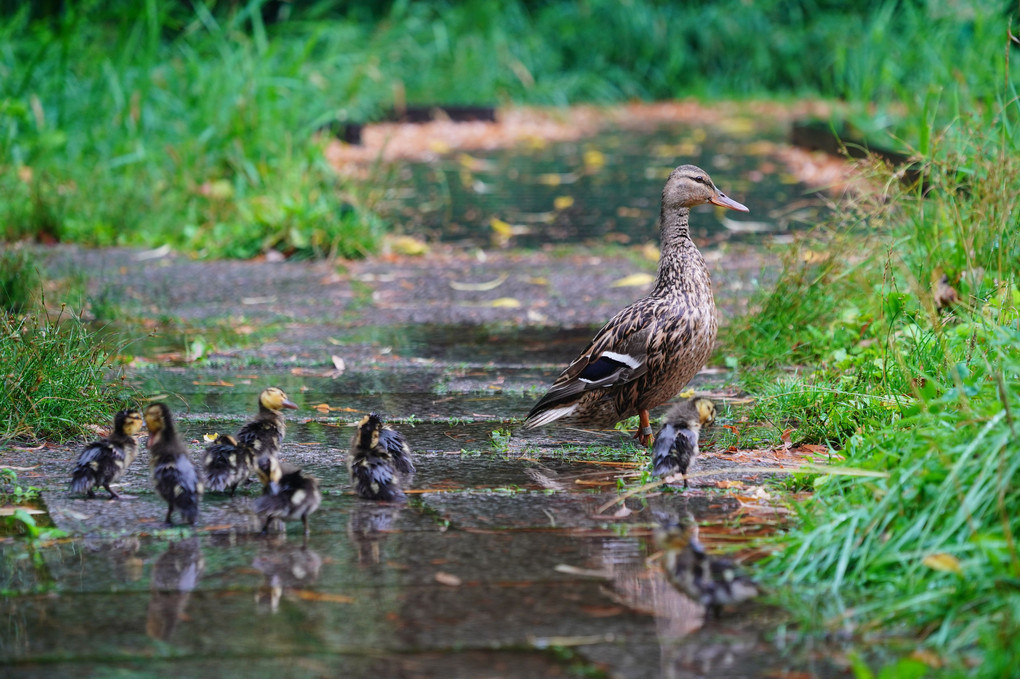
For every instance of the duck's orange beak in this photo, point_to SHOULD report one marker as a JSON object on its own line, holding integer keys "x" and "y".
{"x": 722, "y": 200}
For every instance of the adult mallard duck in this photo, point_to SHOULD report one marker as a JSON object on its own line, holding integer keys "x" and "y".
{"x": 379, "y": 461}
{"x": 263, "y": 436}
{"x": 676, "y": 444}
{"x": 103, "y": 462}
{"x": 172, "y": 470}
{"x": 651, "y": 349}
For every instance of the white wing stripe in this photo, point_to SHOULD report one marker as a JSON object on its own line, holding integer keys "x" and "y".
{"x": 626, "y": 359}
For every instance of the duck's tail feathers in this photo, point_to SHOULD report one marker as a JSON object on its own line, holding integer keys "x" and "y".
{"x": 664, "y": 462}
{"x": 545, "y": 417}
{"x": 83, "y": 479}
{"x": 218, "y": 480}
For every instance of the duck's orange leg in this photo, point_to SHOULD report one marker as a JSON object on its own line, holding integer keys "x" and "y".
{"x": 644, "y": 432}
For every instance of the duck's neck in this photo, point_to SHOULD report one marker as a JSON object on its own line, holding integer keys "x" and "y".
{"x": 682, "y": 269}
{"x": 269, "y": 415}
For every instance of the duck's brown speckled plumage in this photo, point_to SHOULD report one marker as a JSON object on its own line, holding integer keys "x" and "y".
{"x": 651, "y": 349}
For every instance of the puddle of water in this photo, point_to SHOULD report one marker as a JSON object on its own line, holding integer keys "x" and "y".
{"x": 605, "y": 188}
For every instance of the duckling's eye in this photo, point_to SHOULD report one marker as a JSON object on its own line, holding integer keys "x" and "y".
{"x": 699, "y": 179}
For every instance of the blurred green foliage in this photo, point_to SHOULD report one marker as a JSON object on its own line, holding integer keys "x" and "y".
{"x": 196, "y": 124}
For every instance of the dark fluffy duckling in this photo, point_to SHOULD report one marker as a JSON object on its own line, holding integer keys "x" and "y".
{"x": 104, "y": 461}
{"x": 676, "y": 444}
{"x": 289, "y": 493}
{"x": 713, "y": 582}
{"x": 380, "y": 461}
{"x": 172, "y": 471}
{"x": 263, "y": 436}
{"x": 227, "y": 464}
{"x": 651, "y": 349}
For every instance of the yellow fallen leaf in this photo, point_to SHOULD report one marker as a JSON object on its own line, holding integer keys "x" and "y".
{"x": 505, "y": 303}
{"x": 594, "y": 159}
{"x": 563, "y": 202}
{"x": 405, "y": 245}
{"x": 943, "y": 562}
{"x": 686, "y": 393}
{"x": 501, "y": 227}
{"x": 633, "y": 280}
{"x": 209, "y": 438}
{"x": 322, "y": 407}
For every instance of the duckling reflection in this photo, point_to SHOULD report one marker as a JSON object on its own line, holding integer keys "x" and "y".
{"x": 174, "y": 575}
{"x": 713, "y": 582}
{"x": 368, "y": 527}
{"x": 285, "y": 566}
{"x": 122, "y": 561}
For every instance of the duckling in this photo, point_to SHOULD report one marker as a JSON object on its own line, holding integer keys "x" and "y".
{"x": 676, "y": 444}
{"x": 651, "y": 349}
{"x": 288, "y": 493}
{"x": 380, "y": 461}
{"x": 104, "y": 461}
{"x": 263, "y": 436}
{"x": 227, "y": 464}
{"x": 172, "y": 471}
{"x": 713, "y": 582}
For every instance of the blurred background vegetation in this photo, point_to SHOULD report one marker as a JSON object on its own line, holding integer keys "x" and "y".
{"x": 195, "y": 124}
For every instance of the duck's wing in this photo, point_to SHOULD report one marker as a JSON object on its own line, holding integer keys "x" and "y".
{"x": 617, "y": 355}
{"x": 394, "y": 443}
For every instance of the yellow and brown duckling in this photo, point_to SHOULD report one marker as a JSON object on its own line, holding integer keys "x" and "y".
{"x": 173, "y": 473}
{"x": 651, "y": 349}
{"x": 676, "y": 444}
{"x": 104, "y": 461}
{"x": 712, "y": 581}
{"x": 288, "y": 493}
{"x": 263, "y": 436}
{"x": 227, "y": 464}
{"x": 380, "y": 461}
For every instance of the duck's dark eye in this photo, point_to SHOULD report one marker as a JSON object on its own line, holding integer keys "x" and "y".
{"x": 699, "y": 179}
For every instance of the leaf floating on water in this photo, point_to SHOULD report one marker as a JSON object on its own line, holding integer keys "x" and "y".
{"x": 217, "y": 383}
{"x": 586, "y": 572}
{"x": 480, "y": 287}
{"x": 322, "y": 408}
{"x": 505, "y": 303}
{"x": 633, "y": 280}
{"x": 448, "y": 579}
{"x": 943, "y": 562}
{"x": 310, "y": 595}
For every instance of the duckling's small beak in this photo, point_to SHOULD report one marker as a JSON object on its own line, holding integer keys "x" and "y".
{"x": 722, "y": 200}
{"x": 287, "y": 403}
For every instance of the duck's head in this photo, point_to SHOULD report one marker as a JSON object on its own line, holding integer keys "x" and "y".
{"x": 225, "y": 440}
{"x": 689, "y": 185}
{"x": 706, "y": 411}
{"x": 128, "y": 422}
{"x": 274, "y": 399}
{"x": 157, "y": 419}
{"x": 369, "y": 430}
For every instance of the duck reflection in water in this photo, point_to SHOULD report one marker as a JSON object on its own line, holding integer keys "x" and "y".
{"x": 174, "y": 576}
{"x": 286, "y": 566}
{"x": 368, "y": 527}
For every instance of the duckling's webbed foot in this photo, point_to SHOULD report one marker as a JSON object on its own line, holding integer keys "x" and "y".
{"x": 113, "y": 495}
{"x": 169, "y": 511}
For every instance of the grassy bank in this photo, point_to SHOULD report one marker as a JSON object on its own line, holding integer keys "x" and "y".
{"x": 904, "y": 313}
{"x": 171, "y": 123}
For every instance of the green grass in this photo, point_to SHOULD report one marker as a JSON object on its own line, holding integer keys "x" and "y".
{"x": 57, "y": 378}
{"x": 176, "y": 123}
{"x": 927, "y": 554}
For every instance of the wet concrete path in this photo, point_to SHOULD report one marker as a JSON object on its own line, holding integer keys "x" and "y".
{"x": 508, "y": 560}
